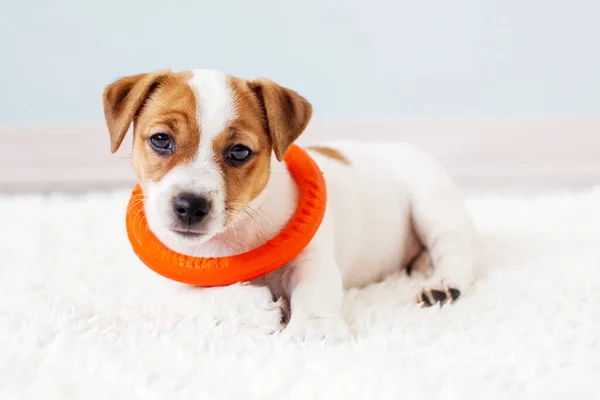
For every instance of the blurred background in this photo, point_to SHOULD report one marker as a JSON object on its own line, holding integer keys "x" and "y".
{"x": 506, "y": 93}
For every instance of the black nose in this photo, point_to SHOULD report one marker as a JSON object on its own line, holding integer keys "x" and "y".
{"x": 190, "y": 208}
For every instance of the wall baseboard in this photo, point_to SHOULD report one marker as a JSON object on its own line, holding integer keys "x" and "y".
{"x": 483, "y": 154}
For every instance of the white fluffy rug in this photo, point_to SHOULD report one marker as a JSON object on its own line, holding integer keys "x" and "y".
{"x": 80, "y": 317}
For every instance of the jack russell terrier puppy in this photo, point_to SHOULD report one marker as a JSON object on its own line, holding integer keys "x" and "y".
{"x": 208, "y": 150}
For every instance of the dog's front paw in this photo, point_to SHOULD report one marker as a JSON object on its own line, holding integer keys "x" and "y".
{"x": 268, "y": 315}
{"x": 317, "y": 329}
{"x": 249, "y": 307}
{"x": 442, "y": 294}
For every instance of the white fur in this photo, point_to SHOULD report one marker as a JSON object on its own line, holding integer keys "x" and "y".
{"x": 202, "y": 176}
{"x": 381, "y": 209}
{"x": 367, "y": 231}
{"x": 216, "y": 108}
{"x": 363, "y": 236}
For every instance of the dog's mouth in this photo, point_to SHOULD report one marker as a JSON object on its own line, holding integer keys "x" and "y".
{"x": 189, "y": 234}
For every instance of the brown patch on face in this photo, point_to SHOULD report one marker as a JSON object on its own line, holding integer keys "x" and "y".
{"x": 171, "y": 109}
{"x": 161, "y": 102}
{"x": 331, "y": 153}
{"x": 243, "y": 183}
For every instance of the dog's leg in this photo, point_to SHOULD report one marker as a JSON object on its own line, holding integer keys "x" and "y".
{"x": 315, "y": 289}
{"x": 314, "y": 286}
{"x": 450, "y": 253}
{"x": 446, "y": 230}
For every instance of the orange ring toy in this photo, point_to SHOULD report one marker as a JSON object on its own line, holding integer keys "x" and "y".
{"x": 221, "y": 271}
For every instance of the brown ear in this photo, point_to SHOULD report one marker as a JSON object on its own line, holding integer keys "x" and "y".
{"x": 123, "y": 99}
{"x": 286, "y": 112}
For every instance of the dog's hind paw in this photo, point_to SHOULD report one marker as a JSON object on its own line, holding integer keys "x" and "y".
{"x": 428, "y": 297}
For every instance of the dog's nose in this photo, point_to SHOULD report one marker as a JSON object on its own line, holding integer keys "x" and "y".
{"x": 190, "y": 208}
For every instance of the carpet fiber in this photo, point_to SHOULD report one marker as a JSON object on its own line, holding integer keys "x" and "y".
{"x": 80, "y": 317}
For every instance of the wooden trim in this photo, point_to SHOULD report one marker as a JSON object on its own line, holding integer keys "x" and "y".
{"x": 520, "y": 154}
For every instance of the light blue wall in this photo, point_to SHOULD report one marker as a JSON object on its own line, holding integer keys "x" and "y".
{"x": 362, "y": 58}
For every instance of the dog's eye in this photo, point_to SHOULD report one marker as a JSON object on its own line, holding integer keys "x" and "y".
{"x": 162, "y": 143}
{"x": 237, "y": 155}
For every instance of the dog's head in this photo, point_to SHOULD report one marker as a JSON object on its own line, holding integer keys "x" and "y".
{"x": 203, "y": 143}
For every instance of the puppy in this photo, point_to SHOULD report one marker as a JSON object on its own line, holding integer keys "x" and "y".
{"x": 208, "y": 150}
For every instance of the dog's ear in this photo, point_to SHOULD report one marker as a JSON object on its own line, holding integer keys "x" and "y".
{"x": 286, "y": 113}
{"x": 122, "y": 101}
